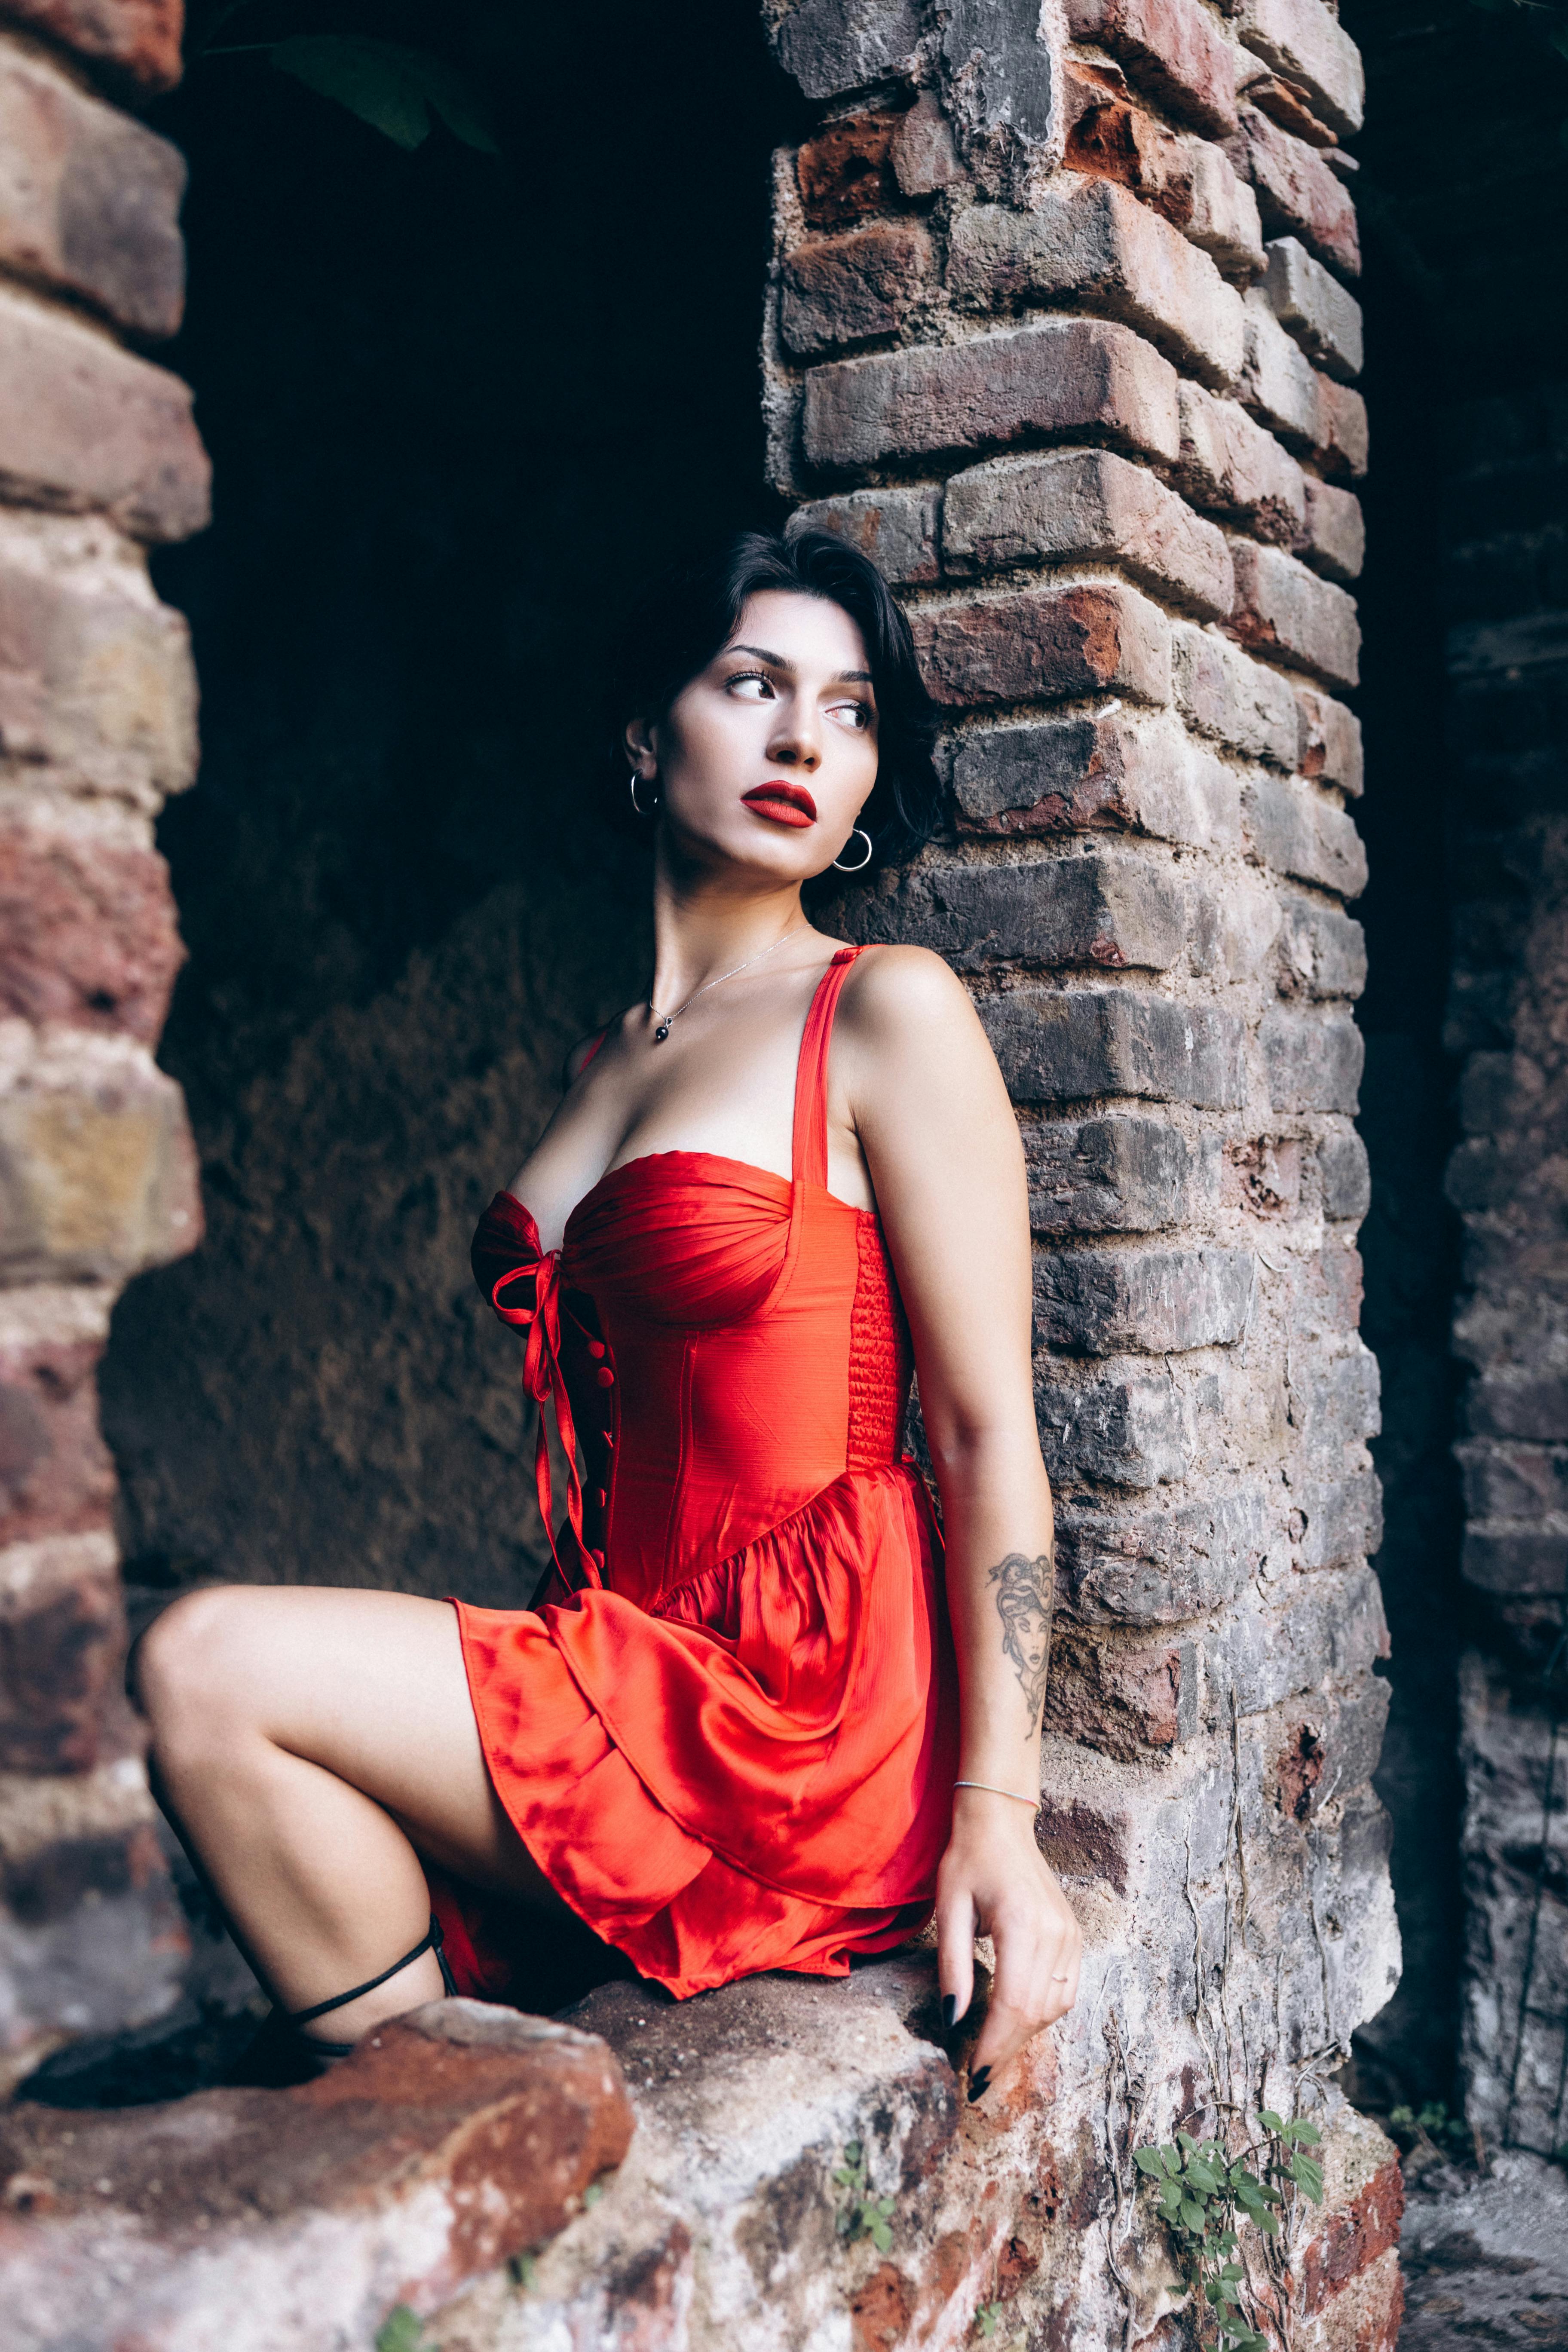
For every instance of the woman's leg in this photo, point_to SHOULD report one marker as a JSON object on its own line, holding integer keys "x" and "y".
{"x": 313, "y": 1743}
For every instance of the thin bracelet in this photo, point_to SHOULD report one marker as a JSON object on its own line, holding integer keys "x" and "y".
{"x": 992, "y": 1790}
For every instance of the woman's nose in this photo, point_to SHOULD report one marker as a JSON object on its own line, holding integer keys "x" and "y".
{"x": 795, "y": 745}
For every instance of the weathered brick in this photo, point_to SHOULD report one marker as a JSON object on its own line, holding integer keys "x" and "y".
{"x": 85, "y": 425}
{"x": 1333, "y": 1401}
{"x": 1278, "y": 381}
{"x": 846, "y": 172}
{"x": 850, "y": 288}
{"x": 1172, "y": 49}
{"x": 1097, "y": 1302}
{"x": 1514, "y": 1481}
{"x": 1074, "y": 1046}
{"x": 1331, "y": 742}
{"x": 87, "y": 930}
{"x": 896, "y": 527}
{"x": 1088, "y": 505}
{"x": 97, "y": 1176}
{"x": 1311, "y": 305}
{"x": 90, "y": 200}
{"x": 1230, "y": 463}
{"x": 1334, "y": 542}
{"x": 1224, "y": 217}
{"x": 1511, "y": 1560}
{"x": 1114, "y": 911}
{"x": 833, "y": 46}
{"x": 1297, "y": 191}
{"x": 1158, "y": 1568}
{"x": 55, "y": 1474}
{"x": 1345, "y": 1175}
{"x": 1312, "y": 1061}
{"x": 1000, "y": 84}
{"x": 1284, "y": 610}
{"x": 97, "y": 690}
{"x": 1036, "y": 643}
{"x": 1513, "y": 1401}
{"x": 1106, "y": 1175}
{"x": 923, "y": 157}
{"x": 1223, "y": 692}
{"x": 1332, "y": 1625}
{"x": 1323, "y": 950}
{"x": 1305, "y": 41}
{"x": 1121, "y": 1699}
{"x": 61, "y": 1638}
{"x": 1062, "y": 775}
{"x": 1340, "y": 438}
{"x": 1297, "y": 832}
{"x": 1188, "y": 180}
{"x": 1126, "y": 1431}
{"x": 1090, "y": 241}
{"x": 1343, "y": 1520}
{"x": 1066, "y": 375}
{"x": 134, "y": 43}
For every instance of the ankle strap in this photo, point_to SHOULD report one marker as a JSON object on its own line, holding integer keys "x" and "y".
{"x": 430, "y": 1941}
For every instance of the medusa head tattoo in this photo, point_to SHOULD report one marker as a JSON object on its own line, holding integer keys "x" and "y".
{"x": 1026, "y": 1589}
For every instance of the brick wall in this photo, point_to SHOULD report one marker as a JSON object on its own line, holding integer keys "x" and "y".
{"x": 1064, "y": 331}
{"x": 98, "y": 461}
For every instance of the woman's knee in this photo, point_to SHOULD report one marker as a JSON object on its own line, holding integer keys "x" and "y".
{"x": 189, "y": 1668}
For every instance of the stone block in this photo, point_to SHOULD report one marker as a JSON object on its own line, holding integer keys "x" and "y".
{"x": 56, "y": 1475}
{"x": 896, "y": 527}
{"x": 453, "y": 2139}
{"x": 87, "y": 928}
{"x": 1078, "y": 1044}
{"x": 1111, "y": 911}
{"x": 1124, "y": 1699}
{"x": 62, "y": 1642}
{"x": 1068, "y": 774}
{"x": 1106, "y": 1175}
{"x": 1322, "y": 951}
{"x": 1509, "y": 1401}
{"x": 1330, "y": 747}
{"x": 1345, "y": 1175}
{"x": 1511, "y": 1560}
{"x": 1297, "y": 194}
{"x": 90, "y": 200}
{"x": 924, "y": 159}
{"x": 1334, "y": 1401}
{"x": 1342, "y": 1521}
{"x": 1172, "y": 49}
{"x": 1334, "y": 543}
{"x": 1224, "y": 693}
{"x": 850, "y": 288}
{"x": 1229, "y": 463}
{"x": 845, "y": 171}
{"x": 133, "y": 43}
{"x": 1313, "y": 306}
{"x": 1286, "y": 612}
{"x": 1098, "y": 1302}
{"x": 1000, "y": 76}
{"x": 1087, "y": 505}
{"x": 1297, "y": 832}
{"x": 1513, "y": 1481}
{"x": 86, "y": 427}
{"x": 1305, "y": 41}
{"x": 1090, "y": 241}
{"x": 1331, "y": 1628}
{"x": 1033, "y": 644}
{"x": 833, "y": 46}
{"x": 1341, "y": 432}
{"x": 1126, "y": 1431}
{"x": 98, "y": 1177}
{"x": 1312, "y": 1061}
{"x": 1162, "y": 1566}
{"x": 97, "y": 693}
{"x": 1059, "y": 376}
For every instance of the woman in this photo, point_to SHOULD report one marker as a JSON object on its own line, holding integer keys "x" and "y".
{"x": 733, "y": 1738}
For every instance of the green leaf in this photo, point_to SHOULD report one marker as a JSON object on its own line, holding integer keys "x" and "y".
{"x": 1303, "y": 2134}
{"x": 1201, "y": 2176}
{"x": 1148, "y": 2159}
{"x": 1188, "y": 2142}
{"x": 1271, "y": 2122}
{"x": 1401, "y": 2115}
{"x": 881, "y": 2236}
{"x": 391, "y": 87}
{"x": 1193, "y": 2215}
{"x": 1269, "y": 2225}
{"x": 853, "y": 2151}
{"x": 401, "y": 2331}
{"x": 1308, "y": 2178}
{"x": 1233, "y": 2270}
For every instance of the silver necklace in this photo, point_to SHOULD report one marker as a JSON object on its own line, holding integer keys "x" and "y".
{"x": 663, "y": 1020}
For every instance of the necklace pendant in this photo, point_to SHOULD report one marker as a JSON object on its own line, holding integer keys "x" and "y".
{"x": 661, "y": 1033}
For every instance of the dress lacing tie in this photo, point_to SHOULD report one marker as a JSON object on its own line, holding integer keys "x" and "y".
{"x": 546, "y": 1380}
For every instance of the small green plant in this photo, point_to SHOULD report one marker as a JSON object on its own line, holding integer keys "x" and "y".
{"x": 401, "y": 2331}
{"x": 1206, "y": 2196}
{"x": 986, "y": 2317}
{"x": 861, "y": 2215}
{"x": 1432, "y": 2124}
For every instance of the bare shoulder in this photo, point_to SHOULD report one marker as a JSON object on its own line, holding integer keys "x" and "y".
{"x": 581, "y": 1055}
{"x": 897, "y": 994}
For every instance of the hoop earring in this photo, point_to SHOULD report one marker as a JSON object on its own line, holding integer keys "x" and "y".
{"x": 636, "y": 781}
{"x": 860, "y": 863}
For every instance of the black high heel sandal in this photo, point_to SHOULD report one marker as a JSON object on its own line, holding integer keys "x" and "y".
{"x": 431, "y": 1941}
{"x": 282, "y": 2054}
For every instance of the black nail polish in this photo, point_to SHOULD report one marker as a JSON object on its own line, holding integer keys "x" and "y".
{"x": 949, "y": 2011}
{"x": 979, "y": 2084}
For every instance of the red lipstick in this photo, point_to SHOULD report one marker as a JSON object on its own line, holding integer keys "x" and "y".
{"x": 782, "y": 803}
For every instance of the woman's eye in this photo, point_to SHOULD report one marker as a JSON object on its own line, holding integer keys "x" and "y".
{"x": 751, "y": 684}
{"x": 855, "y": 714}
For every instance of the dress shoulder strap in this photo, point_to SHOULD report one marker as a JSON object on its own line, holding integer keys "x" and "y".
{"x": 809, "y": 1156}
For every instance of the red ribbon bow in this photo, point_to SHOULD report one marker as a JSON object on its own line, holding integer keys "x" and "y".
{"x": 545, "y": 1380}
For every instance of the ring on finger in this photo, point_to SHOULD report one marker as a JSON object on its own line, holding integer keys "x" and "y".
{"x": 1061, "y": 1979}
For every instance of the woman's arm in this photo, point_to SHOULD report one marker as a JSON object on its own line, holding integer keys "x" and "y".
{"x": 916, "y": 1075}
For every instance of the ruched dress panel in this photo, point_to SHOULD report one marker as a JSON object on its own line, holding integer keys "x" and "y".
{"x": 728, "y": 1736}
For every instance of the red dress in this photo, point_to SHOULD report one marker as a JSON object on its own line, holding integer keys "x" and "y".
{"x": 732, "y": 1746}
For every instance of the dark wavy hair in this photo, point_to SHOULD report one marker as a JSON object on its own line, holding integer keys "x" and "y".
{"x": 689, "y": 612}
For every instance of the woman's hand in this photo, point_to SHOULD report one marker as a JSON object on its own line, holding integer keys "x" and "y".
{"x": 993, "y": 1881}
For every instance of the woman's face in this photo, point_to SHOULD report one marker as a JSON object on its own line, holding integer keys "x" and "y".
{"x": 766, "y": 759}
{"x": 1034, "y": 1637}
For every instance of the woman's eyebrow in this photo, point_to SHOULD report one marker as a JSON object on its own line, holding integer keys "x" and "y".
{"x": 778, "y": 661}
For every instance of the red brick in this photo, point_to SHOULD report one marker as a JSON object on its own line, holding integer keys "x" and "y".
{"x": 61, "y": 1641}
{"x": 1187, "y": 181}
{"x": 922, "y": 153}
{"x": 846, "y": 171}
{"x": 896, "y": 527}
{"x": 131, "y": 42}
{"x": 846, "y": 289}
{"x": 1171, "y": 48}
{"x": 85, "y": 425}
{"x": 1090, "y": 240}
{"x": 1297, "y": 190}
{"x": 1121, "y": 1700}
{"x": 88, "y": 199}
{"x": 1235, "y": 465}
{"x": 55, "y": 1474}
{"x": 1284, "y": 611}
{"x": 1340, "y": 435}
{"x": 1305, "y": 41}
{"x": 88, "y": 933}
{"x": 1331, "y": 742}
{"x": 1335, "y": 541}
{"x": 1060, "y": 376}
{"x": 1091, "y": 506}
{"x": 1044, "y": 642}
